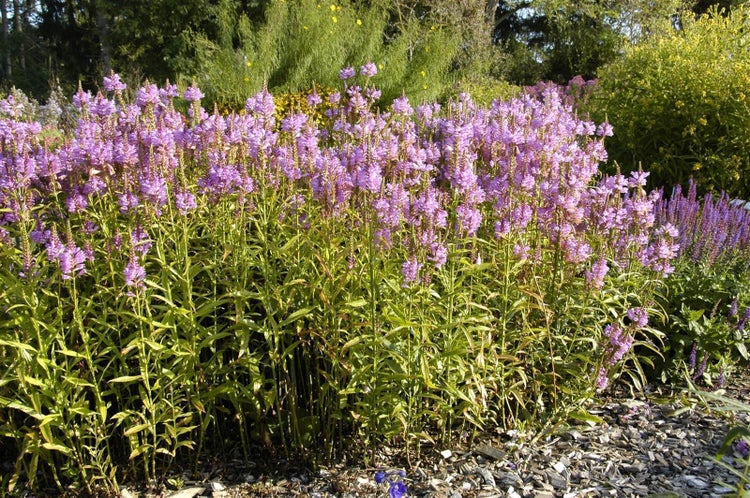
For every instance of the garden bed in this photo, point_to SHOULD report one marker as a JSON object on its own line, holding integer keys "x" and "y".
{"x": 653, "y": 443}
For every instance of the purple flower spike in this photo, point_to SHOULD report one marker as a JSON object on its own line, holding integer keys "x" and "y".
{"x": 193, "y": 94}
{"x": 410, "y": 269}
{"x": 369, "y": 70}
{"x": 733, "y": 308}
{"x": 134, "y": 273}
{"x": 693, "y": 357}
{"x": 314, "y": 99}
{"x": 401, "y": 106}
{"x": 721, "y": 380}
{"x": 114, "y": 84}
{"x": 702, "y": 368}
{"x": 72, "y": 261}
{"x": 743, "y": 321}
{"x": 346, "y": 73}
{"x": 602, "y": 380}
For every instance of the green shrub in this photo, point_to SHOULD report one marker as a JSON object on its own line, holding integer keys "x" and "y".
{"x": 484, "y": 89}
{"x": 308, "y": 42}
{"x": 679, "y": 107}
{"x": 705, "y": 332}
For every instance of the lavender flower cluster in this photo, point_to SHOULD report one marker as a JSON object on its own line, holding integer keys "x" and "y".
{"x": 618, "y": 342}
{"x": 710, "y": 228}
{"x": 523, "y": 171}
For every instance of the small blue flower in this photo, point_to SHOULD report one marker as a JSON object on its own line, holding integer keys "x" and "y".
{"x": 742, "y": 448}
{"x": 397, "y": 490}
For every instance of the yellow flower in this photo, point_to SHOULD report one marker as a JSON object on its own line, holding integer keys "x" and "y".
{"x": 424, "y": 87}
{"x": 248, "y": 63}
{"x": 305, "y": 28}
{"x": 334, "y": 19}
{"x": 702, "y": 121}
{"x": 247, "y": 79}
{"x": 423, "y": 74}
{"x": 359, "y": 22}
{"x": 333, "y": 8}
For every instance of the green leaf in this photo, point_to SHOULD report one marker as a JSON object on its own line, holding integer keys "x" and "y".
{"x": 742, "y": 350}
{"x": 48, "y": 419}
{"x": 57, "y": 447}
{"x": 136, "y": 429}
{"x": 583, "y": 415}
{"x": 300, "y": 313}
{"x": 77, "y": 381}
{"x": 125, "y": 378}
{"x": 351, "y": 343}
{"x": 18, "y": 345}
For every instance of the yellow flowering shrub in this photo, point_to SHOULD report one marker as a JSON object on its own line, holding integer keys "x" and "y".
{"x": 678, "y": 105}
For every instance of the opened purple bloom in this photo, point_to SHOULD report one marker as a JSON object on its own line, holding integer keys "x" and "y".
{"x": 397, "y": 490}
{"x": 638, "y": 316}
{"x": 380, "y": 476}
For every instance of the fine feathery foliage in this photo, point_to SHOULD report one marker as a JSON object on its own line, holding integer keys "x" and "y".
{"x": 176, "y": 283}
{"x": 678, "y": 104}
{"x": 305, "y": 43}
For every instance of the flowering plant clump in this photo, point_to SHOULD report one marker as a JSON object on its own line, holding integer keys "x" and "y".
{"x": 299, "y": 278}
{"x": 707, "y": 292}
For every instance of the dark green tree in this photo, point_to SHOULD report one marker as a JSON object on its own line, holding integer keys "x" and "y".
{"x": 68, "y": 30}
{"x": 154, "y": 39}
{"x": 558, "y": 39}
{"x": 23, "y": 57}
